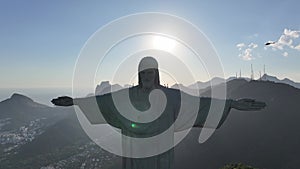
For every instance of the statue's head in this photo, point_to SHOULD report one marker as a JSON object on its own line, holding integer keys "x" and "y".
{"x": 148, "y": 73}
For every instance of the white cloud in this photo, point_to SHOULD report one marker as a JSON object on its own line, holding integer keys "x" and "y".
{"x": 285, "y": 54}
{"x": 292, "y": 34}
{"x": 286, "y": 40}
{"x": 240, "y": 46}
{"x": 297, "y": 47}
{"x": 247, "y": 55}
{"x": 252, "y": 45}
{"x": 246, "y": 51}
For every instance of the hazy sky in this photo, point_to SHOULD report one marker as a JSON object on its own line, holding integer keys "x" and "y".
{"x": 40, "y": 40}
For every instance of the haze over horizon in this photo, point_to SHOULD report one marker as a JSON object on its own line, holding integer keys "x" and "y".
{"x": 44, "y": 95}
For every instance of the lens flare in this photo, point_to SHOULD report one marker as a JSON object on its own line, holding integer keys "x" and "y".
{"x": 164, "y": 43}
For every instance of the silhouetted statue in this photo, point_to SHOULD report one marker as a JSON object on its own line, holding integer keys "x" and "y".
{"x": 148, "y": 79}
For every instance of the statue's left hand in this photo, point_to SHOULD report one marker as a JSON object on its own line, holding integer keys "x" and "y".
{"x": 247, "y": 105}
{"x": 63, "y": 101}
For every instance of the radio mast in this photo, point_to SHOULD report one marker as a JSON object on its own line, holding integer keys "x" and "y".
{"x": 265, "y": 74}
{"x": 259, "y": 75}
{"x": 252, "y": 75}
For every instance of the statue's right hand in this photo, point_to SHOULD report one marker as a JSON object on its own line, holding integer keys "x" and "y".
{"x": 63, "y": 101}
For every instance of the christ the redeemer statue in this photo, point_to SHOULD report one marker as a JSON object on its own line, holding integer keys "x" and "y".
{"x": 148, "y": 78}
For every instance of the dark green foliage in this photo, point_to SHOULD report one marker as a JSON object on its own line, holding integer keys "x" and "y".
{"x": 237, "y": 166}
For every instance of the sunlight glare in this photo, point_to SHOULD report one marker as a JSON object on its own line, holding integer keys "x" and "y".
{"x": 164, "y": 43}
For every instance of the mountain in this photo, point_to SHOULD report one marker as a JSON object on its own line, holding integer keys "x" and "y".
{"x": 102, "y": 86}
{"x": 213, "y": 82}
{"x": 264, "y": 139}
{"x": 24, "y": 100}
{"x": 202, "y": 85}
{"x": 266, "y": 77}
{"x": 205, "y": 88}
{"x": 106, "y": 87}
{"x": 33, "y": 135}
{"x": 188, "y": 90}
{"x": 20, "y": 110}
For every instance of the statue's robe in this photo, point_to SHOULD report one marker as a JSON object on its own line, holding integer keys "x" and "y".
{"x": 140, "y": 100}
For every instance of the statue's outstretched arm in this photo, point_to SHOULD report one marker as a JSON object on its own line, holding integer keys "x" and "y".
{"x": 219, "y": 109}
{"x": 205, "y": 107}
{"x": 95, "y": 108}
{"x": 240, "y": 104}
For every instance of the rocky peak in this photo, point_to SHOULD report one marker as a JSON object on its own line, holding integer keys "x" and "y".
{"x": 21, "y": 98}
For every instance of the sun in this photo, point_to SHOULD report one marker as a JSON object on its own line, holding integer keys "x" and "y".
{"x": 164, "y": 43}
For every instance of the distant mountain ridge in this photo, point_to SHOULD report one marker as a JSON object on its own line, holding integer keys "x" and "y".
{"x": 213, "y": 81}
{"x": 217, "y": 81}
{"x": 266, "y": 77}
{"x": 105, "y": 86}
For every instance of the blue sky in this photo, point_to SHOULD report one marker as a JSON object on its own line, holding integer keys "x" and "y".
{"x": 40, "y": 40}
